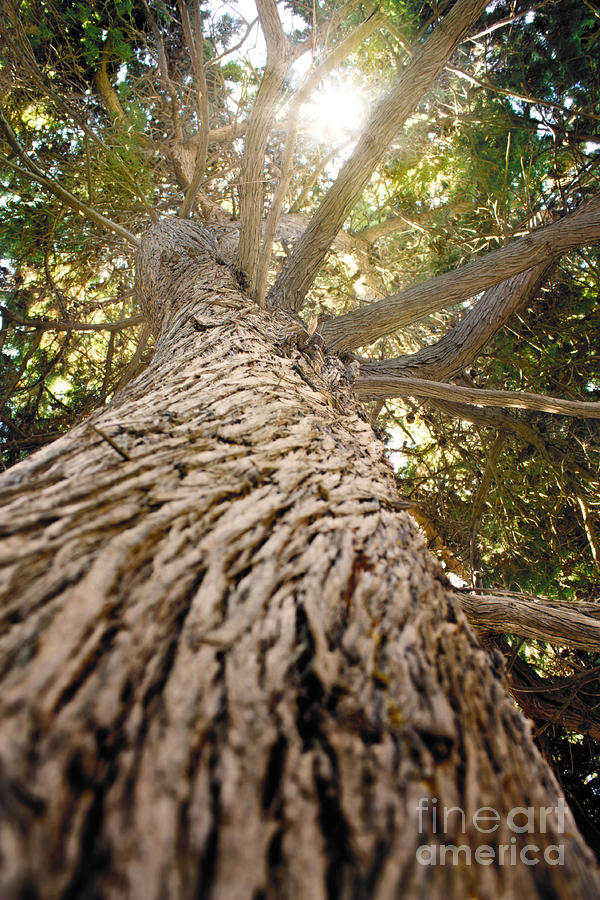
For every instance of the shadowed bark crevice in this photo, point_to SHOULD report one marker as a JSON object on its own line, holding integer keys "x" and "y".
{"x": 208, "y": 861}
{"x": 274, "y": 772}
{"x": 94, "y": 854}
{"x": 311, "y": 702}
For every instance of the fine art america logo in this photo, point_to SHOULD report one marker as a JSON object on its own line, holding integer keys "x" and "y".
{"x": 521, "y": 820}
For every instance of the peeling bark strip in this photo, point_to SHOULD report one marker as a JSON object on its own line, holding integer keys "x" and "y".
{"x": 229, "y": 668}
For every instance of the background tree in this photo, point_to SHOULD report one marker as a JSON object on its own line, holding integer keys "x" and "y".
{"x": 118, "y": 115}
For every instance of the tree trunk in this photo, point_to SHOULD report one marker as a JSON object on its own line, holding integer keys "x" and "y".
{"x": 229, "y": 667}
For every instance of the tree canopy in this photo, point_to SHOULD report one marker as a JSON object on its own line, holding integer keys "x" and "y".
{"x": 388, "y": 201}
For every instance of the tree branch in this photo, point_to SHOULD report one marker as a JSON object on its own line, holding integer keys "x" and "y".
{"x": 270, "y": 23}
{"x": 491, "y": 417}
{"x": 310, "y": 180}
{"x": 375, "y": 387}
{"x": 333, "y": 22}
{"x": 568, "y": 624}
{"x": 588, "y": 524}
{"x": 163, "y": 67}
{"x": 13, "y": 382}
{"x": 437, "y": 543}
{"x": 524, "y": 98}
{"x": 104, "y": 87}
{"x": 558, "y": 700}
{"x": 488, "y": 476}
{"x": 463, "y": 343}
{"x": 363, "y": 326}
{"x": 390, "y": 114}
{"x": 326, "y": 65}
{"x": 32, "y": 171}
{"x": 195, "y": 45}
{"x": 21, "y": 47}
{"x": 67, "y": 325}
{"x": 280, "y": 55}
{"x": 372, "y": 233}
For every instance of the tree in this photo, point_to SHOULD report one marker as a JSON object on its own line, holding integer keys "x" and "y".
{"x": 230, "y": 667}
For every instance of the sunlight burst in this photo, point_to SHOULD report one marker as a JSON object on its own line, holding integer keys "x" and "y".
{"x": 336, "y": 111}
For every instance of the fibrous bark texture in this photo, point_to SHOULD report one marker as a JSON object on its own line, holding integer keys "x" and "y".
{"x": 229, "y": 667}
{"x": 376, "y": 387}
{"x": 567, "y": 623}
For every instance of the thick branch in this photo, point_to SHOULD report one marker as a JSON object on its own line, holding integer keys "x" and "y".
{"x": 104, "y": 86}
{"x": 390, "y": 114}
{"x": 163, "y": 66}
{"x": 279, "y": 57}
{"x": 463, "y": 343}
{"x": 541, "y": 246}
{"x": 566, "y": 624}
{"x": 271, "y": 27}
{"x": 333, "y": 59}
{"x": 195, "y": 45}
{"x": 375, "y": 387}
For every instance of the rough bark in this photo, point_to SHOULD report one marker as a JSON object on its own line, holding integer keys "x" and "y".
{"x": 230, "y": 669}
{"x": 280, "y": 56}
{"x": 195, "y": 44}
{"x": 569, "y": 624}
{"x": 461, "y": 345}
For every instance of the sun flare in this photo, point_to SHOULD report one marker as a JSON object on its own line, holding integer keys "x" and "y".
{"x": 336, "y": 111}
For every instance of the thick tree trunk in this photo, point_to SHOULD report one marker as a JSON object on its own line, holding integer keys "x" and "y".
{"x": 229, "y": 668}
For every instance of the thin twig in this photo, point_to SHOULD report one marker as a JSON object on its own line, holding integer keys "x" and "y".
{"x": 110, "y": 441}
